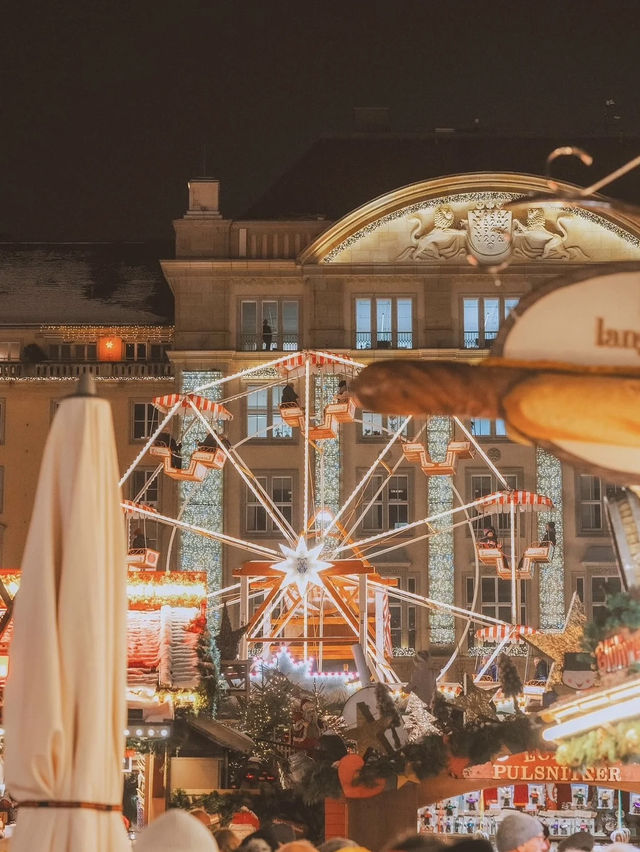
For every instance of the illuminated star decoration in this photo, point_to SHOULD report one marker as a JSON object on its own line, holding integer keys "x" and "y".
{"x": 477, "y": 704}
{"x": 369, "y": 732}
{"x": 302, "y": 565}
{"x": 565, "y": 641}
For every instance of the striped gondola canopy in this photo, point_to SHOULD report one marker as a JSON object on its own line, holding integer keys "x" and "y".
{"x": 502, "y": 501}
{"x": 207, "y": 406}
{"x": 498, "y": 632}
{"x": 296, "y": 364}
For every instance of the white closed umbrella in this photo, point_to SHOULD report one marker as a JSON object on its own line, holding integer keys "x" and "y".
{"x": 65, "y": 697}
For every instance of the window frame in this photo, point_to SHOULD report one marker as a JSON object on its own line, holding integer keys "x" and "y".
{"x": 606, "y": 489}
{"x": 14, "y": 351}
{"x": 281, "y": 340}
{"x": 271, "y": 412}
{"x": 386, "y": 431}
{"x": 149, "y": 425}
{"x": 492, "y": 434}
{"x": 384, "y": 501}
{"x": 502, "y": 524}
{"x": 152, "y": 529}
{"x": 483, "y": 339}
{"x": 393, "y": 337}
{"x": 250, "y": 502}
{"x": 495, "y": 605}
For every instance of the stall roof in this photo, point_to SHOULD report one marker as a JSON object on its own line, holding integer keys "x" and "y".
{"x": 222, "y": 735}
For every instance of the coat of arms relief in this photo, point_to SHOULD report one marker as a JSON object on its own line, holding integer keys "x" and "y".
{"x": 491, "y": 235}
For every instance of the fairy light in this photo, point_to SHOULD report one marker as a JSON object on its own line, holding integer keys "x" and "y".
{"x": 129, "y": 333}
{"x": 551, "y": 577}
{"x": 327, "y": 458}
{"x": 205, "y": 504}
{"x": 440, "y": 553}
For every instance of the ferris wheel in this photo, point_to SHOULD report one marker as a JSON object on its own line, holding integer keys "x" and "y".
{"x": 318, "y": 591}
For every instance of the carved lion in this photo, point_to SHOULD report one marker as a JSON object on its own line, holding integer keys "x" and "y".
{"x": 443, "y": 241}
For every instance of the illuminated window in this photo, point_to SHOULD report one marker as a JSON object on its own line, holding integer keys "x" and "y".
{"x": 269, "y": 325}
{"x": 144, "y": 420}
{"x": 384, "y": 323}
{"x": 376, "y": 426}
{"x": 403, "y": 616}
{"x": 9, "y": 351}
{"x": 482, "y": 428}
{"x": 280, "y": 489}
{"x": 263, "y": 414}
{"x": 389, "y": 499}
{"x": 482, "y": 317}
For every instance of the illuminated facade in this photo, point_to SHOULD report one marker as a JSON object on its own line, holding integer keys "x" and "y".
{"x": 405, "y": 275}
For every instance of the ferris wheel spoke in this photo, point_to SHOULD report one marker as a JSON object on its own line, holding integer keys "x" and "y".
{"x": 363, "y": 482}
{"x": 149, "y": 443}
{"x": 250, "y": 481}
{"x": 215, "y": 536}
{"x": 482, "y": 453}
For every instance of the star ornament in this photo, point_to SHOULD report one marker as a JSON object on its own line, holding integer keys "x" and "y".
{"x": 556, "y": 644}
{"x": 302, "y": 565}
{"x": 477, "y": 703}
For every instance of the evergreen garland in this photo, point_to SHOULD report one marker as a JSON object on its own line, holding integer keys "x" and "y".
{"x": 208, "y": 686}
{"x": 510, "y": 681}
{"x": 622, "y": 609}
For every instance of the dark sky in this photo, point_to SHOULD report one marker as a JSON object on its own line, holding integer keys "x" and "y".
{"x": 106, "y": 107}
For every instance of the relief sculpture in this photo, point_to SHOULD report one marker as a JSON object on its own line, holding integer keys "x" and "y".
{"x": 442, "y": 241}
{"x": 532, "y": 239}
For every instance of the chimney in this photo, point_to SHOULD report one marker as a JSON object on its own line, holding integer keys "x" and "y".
{"x": 204, "y": 198}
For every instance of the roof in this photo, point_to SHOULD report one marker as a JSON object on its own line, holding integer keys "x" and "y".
{"x": 95, "y": 283}
{"x": 338, "y": 174}
{"x": 222, "y": 735}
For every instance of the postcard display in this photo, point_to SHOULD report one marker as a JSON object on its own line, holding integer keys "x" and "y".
{"x": 592, "y": 809}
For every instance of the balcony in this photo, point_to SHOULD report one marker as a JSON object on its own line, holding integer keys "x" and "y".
{"x": 104, "y": 370}
{"x": 279, "y": 343}
{"x": 479, "y": 339}
{"x": 384, "y": 340}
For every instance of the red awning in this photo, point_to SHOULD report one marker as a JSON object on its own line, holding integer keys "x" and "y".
{"x": 498, "y": 632}
{"x": 164, "y": 403}
{"x": 296, "y": 364}
{"x": 502, "y": 501}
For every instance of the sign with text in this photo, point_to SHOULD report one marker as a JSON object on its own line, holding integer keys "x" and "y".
{"x": 541, "y": 767}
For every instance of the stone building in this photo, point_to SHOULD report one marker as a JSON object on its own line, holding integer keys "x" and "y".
{"x": 325, "y": 262}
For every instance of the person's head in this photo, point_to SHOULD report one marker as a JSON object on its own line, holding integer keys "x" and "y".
{"x": 537, "y": 660}
{"x": 334, "y": 844}
{"x": 297, "y": 846}
{"x": 176, "y": 830}
{"x": 283, "y": 832}
{"x": 521, "y": 832}
{"x": 226, "y": 839}
{"x": 415, "y": 843}
{"x": 581, "y": 840}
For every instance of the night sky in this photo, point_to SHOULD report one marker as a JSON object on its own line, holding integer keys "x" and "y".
{"x": 107, "y": 108}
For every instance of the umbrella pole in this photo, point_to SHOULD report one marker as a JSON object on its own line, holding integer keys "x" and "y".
{"x": 514, "y": 584}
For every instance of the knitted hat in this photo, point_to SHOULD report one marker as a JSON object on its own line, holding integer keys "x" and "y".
{"x": 516, "y": 829}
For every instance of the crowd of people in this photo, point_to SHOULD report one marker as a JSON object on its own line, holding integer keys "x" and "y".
{"x": 517, "y": 832}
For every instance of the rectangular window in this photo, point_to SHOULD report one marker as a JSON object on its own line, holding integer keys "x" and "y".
{"x": 60, "y": 352}
{"x": 280, "y": 489}
{"x": 3, "y": 411}
{"x": 590, "y": 492}
{"x": 389, "y": 507}
{"x": 403, "y": 617}
{"x": 495, "y": 598}
{"x": 263, "y": 414}
{"x": 144, "y": 420}
{"x": 601, "y": 587}
{"x": 376, "y": 426}
{"x": 135, "y": 351}
{"x": 9, "y": 351}
{"x": 483, "y": 484}
{"x": 145, "y": 488}
{"x": 84, "y": 352}
{"x": 483, "y": 428}
{"x": 482, "y": 317}
{"x": 384, "y": 323}
{"x": 269, "y": 325}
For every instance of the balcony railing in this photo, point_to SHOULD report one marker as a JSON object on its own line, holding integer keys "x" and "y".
{"x": 276, "y": 343}
{"x": 384, "y": 340}
{"x": 105, "y": 370}
{"x": 479, "y": 339}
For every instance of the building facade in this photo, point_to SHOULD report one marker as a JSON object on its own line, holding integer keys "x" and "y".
{"x": 410, "y": 274}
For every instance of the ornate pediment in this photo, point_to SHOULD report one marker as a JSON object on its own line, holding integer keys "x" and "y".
{"x": 476, "y": 225}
